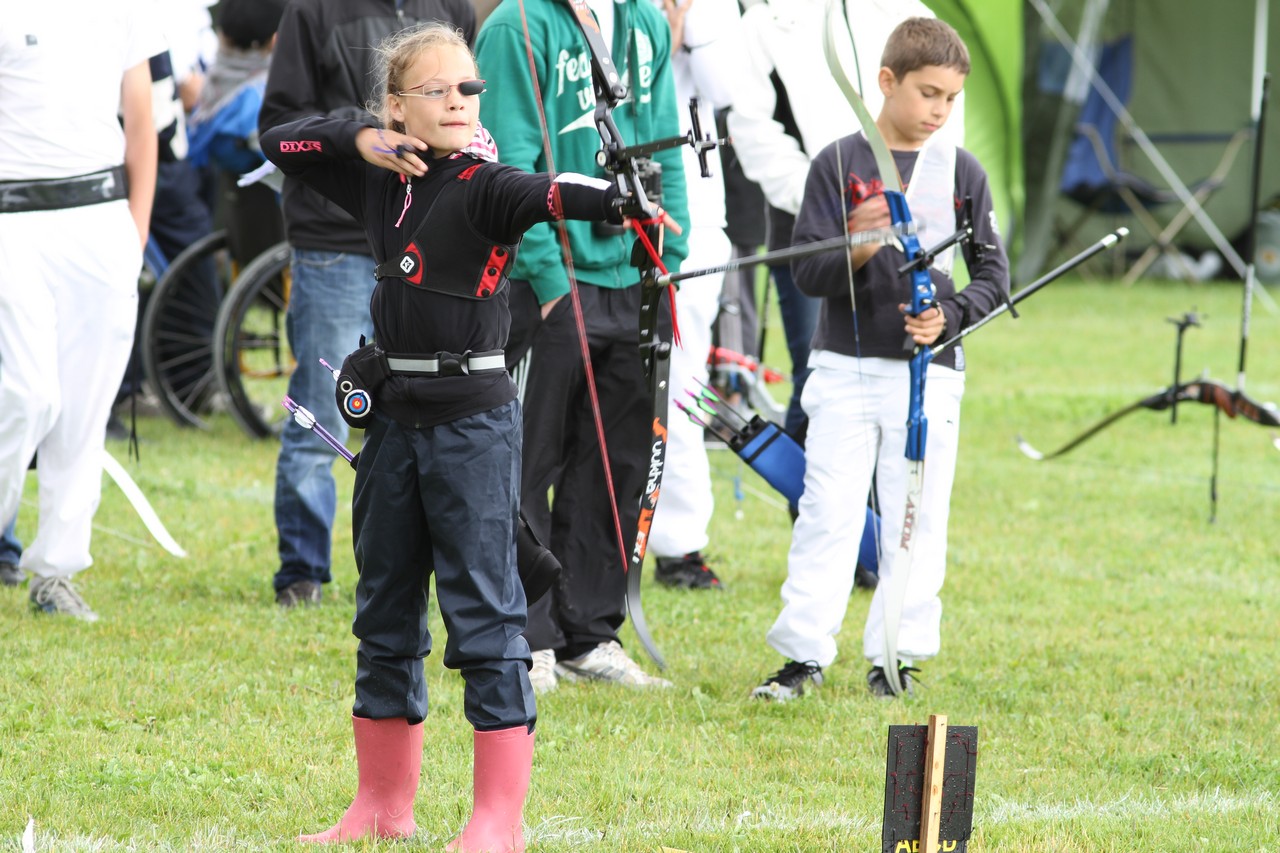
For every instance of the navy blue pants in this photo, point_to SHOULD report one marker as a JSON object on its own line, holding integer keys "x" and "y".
{"x": 444, "y": 499}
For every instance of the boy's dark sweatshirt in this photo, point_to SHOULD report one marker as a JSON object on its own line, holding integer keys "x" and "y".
{"x": 879, "y": 288}
{"x": 500, "y": 203}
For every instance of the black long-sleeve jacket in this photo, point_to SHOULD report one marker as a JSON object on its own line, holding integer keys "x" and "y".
{"x": 324, "y": 64}
{"x": 470, "y": 212}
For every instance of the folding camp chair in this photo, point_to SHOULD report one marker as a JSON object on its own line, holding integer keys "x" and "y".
{"x": 1094, "y": 178}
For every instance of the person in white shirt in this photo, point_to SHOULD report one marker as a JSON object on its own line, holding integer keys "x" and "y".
{"x": 706, "y": 56}
{"x": 76, "y": 187}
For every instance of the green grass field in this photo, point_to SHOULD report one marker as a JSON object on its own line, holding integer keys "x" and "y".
{"x": 1115, "y": 650}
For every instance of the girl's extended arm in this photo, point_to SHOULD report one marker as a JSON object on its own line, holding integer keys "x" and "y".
{"x": 321, "y": 152}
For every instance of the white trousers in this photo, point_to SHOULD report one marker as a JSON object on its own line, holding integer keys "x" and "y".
{"x": 685, "y": 505}
{"x": 857, "y": 426}
{"x": 68, "y": 305}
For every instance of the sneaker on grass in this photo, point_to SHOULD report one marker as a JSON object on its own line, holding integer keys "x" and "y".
{"x": 305, "y": 593}
{"x": 789, "y": 682}
{"x": 542, "y": 675}
{"x": 688, "y": 572}
{"x": 864, "y": 578}
{"x": 57, "y": 596}
{"x": 10, "y": 574}
{"x": 608, "y": 662}
{"x": 878, "y": 682}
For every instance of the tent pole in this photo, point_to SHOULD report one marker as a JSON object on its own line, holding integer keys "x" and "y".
{"x": 1262, "y": 83}
{"x": 1037, "y": 235}
{"x": 1139, "y": 136}
{"x": 1258, "y": 106}
{"x": 1259, "y": 56}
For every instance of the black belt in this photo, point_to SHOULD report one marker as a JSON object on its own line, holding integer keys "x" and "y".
{"x": 447, "y": 363}
{"x": 59, "y": 193}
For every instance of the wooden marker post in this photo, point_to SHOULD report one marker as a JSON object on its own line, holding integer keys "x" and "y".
{"x": 935, "y": 753}
{"x": 929, "y": 782}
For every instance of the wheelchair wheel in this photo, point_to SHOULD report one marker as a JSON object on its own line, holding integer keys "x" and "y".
{"x": 251, "y": 348}
{"x": 177, "y": 329}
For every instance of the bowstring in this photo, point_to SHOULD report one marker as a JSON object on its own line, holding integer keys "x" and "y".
{"x": 842, "y": 184}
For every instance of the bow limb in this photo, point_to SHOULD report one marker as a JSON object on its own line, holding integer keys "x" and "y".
{"x": 893, "y": 593}
{"x": 655, "y": 355}
{"x": 1230, "y": 402}
{"x": 1031, "y": 453}
{"x": 140, "y": 503}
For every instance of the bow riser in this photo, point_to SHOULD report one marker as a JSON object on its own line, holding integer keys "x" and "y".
{"x": 635, "y": 177}
{"x": 917, "y": 423}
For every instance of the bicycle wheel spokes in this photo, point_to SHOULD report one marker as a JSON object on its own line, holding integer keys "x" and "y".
{"x": 253, "y": 352}
{"x": 177, "y": 329}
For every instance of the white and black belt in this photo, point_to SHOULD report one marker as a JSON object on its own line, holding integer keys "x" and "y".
{"x": 61, "y": 193}
{"x": 447, "y": 363}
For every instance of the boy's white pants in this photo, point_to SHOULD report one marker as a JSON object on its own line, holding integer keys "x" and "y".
{"x": 857, "y": 427}
{"x": 68, "y": 306}
{"x": 685, "y": 506}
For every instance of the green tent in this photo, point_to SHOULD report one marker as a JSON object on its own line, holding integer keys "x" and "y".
{"x": 992, "y": 29}
{"x": 1192, "y": 89}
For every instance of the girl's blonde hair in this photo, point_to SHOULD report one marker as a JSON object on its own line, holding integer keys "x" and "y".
{"x": 398, "y": 52}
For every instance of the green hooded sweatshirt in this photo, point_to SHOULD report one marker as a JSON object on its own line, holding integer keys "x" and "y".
{"x": 641, "y": 51}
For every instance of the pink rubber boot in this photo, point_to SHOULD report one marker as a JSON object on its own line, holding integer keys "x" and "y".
{"x": 389, "y": 761}
{"x": 502, "y": 763}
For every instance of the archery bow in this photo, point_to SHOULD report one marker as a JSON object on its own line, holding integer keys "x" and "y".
{"x": 922, "y": 295}
{"x": 1229, "y": 402}
{"x": 636, "y": 176}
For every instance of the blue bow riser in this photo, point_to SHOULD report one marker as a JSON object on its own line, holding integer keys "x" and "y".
{"x": 917, "y": 426}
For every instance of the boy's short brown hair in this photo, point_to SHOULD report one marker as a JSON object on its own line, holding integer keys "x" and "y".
{"x": 918, "y": 42}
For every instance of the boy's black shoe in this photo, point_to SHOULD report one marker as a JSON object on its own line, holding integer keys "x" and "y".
{"x": 305, "y": 593}
{"x": 10, "y": 574}
{"x": 117, "y": 430}
{"x": 878, "y": 682}
{"x": 864, "y": 578}
{"x": 789, "y": 682}
{"x": 687, "y": 572}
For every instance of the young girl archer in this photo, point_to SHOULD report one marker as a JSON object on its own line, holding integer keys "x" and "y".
{"x": 436, "y": 486}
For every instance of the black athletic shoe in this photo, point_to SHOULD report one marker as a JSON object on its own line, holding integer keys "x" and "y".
{"x": 864, "y": 578}
{"x": 687, "y": 572}
{"x": 10, "y": 574}
{"x": 878, "y": 682}
{"x": 789, "y": 682}
{"x": 304, "y": 593}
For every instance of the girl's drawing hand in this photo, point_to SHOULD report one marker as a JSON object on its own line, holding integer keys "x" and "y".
{"x": 393, "y": 151}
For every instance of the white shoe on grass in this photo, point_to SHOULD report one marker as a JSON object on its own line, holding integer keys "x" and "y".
{"x": 57, "y": 596}
{"x": 608, "y": 662}
{"x": 542, "y": 675}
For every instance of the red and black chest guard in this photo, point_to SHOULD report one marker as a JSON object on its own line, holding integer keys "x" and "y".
{"x": 454, "y": 260}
